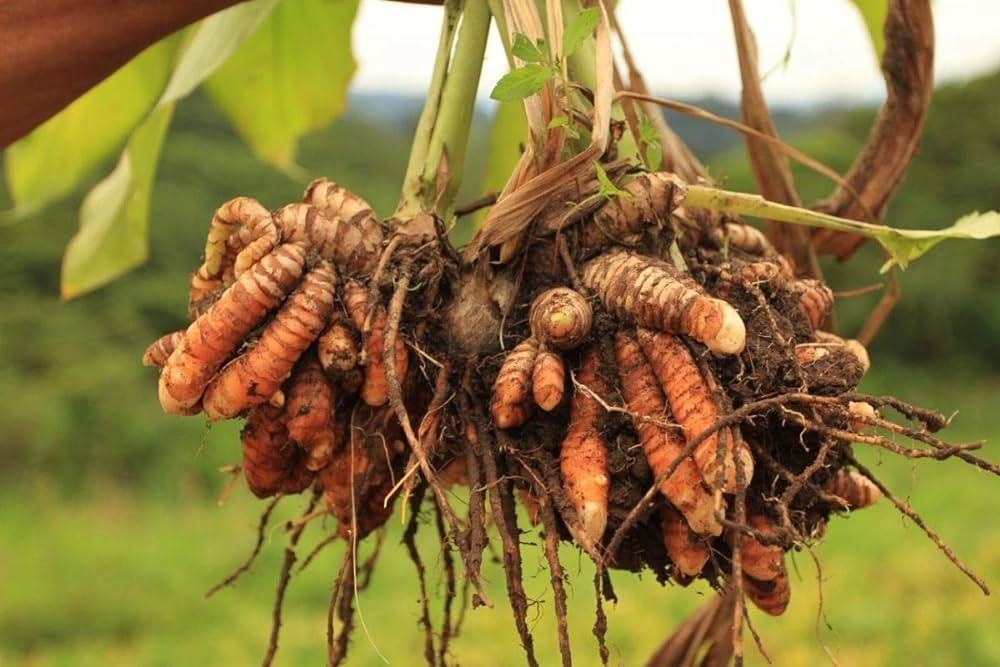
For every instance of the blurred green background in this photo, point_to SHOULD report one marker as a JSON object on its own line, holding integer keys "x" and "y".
{"x": 109, "y": 529}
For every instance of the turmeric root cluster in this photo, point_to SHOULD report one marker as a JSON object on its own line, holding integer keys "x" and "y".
{"x": 653, "y": 382}
{"x": 282, "y": 333}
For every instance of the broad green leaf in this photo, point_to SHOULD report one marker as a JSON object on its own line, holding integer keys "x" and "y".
{"x": 112, "y": 234}
{"x": 579, "y": 29}
{"x": 51, "y": 162}
{"x": 113, "y": 218}
{"x": 289, "y": 78}
{"x": 525, "y": 50}
{"x": 521, "y": 82}
{"x": 874, "y": 13}
{"x": 902, "y": 245}
{"x": 211, "y": 42}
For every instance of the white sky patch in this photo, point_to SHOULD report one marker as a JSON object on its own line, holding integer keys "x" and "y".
{"x": 685, "y": 47}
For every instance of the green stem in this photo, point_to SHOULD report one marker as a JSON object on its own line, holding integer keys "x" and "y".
{"x": 410, "y": 197}
{"x": 446, "y": 153}
{"x": 742, "y": 203}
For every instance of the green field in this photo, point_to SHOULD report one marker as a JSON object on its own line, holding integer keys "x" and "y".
{"x": 116, "y": 578}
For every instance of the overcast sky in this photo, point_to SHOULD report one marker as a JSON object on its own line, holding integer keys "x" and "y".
{"x": 685, "y": 47}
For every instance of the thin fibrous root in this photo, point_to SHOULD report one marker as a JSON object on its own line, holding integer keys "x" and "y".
{"x": 909, "y": 512}
{"x": 245, "y": 566}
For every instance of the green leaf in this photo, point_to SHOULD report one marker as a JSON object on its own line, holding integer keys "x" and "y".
{"x": 51, "y": 162}
{"x": 211, "y": 42}
{"x": 579, "y": 29}
{"x": 525, "y": 50}
{"x": 113, "y": 217}
{"x": 565, "y": 124}
{"x": 874, "y": 12}
{"x": 521, "y": 82}
{"x": 906, "y": 245}
{"x": 902, "y": 245}
{"x": 283, "y": 81}
{"x": 649, "y": 136}
{"x": 112, "y": 234}
{"x": 606, "y": 188}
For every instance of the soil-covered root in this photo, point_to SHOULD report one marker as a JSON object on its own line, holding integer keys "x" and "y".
{"x": 583, "y": 456}
{"x": 661, "y": 442}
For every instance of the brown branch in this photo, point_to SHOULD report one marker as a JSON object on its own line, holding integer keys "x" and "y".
{"x": 907, "y": 66}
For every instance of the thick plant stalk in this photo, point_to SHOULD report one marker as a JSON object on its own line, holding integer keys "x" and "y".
{"x": 434, "y": 173}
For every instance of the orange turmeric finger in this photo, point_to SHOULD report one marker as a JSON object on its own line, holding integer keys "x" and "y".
{"x": 771, "y": 597}
{"x": 548, "y": 380}
{"x": 375, "y": 385}
{"x": 216, "y": 334}
{"x": 257, "y": 374}
{"x": 693, "y": 404}
{"x": 561, "y": 318}
{"x": 760, "y": 561}
{"x": 654, "y": 294}
{"x": 271, "y": 463}
{"x": 337, "y": 347}
{"x": 686, "y": 550}
{"x": 652, "y": 197}
{"x": 661, "y": 444}
{"x": 815, "y": 300}
{"x": 583, "y": 457}
{"x": 857, "y": 490}
{"x": 243, "y": 212}
{"x": 511, "y": 405}
{"x": 351, "y": 246}
{"x": 309, "y": 406}
{"x": 160, "y": 349}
